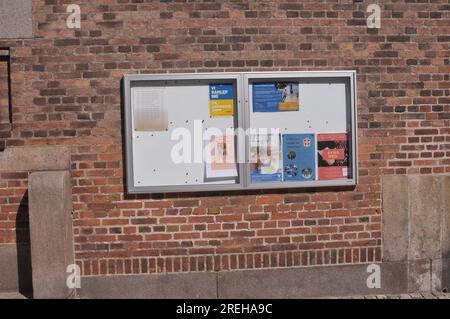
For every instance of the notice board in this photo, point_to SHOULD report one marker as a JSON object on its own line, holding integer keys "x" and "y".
{"x": 231, "y": 131}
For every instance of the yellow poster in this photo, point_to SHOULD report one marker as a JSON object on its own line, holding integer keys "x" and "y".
{"x": 221, "y": 108}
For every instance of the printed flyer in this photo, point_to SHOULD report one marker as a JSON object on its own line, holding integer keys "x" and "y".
{"x": 265, "y": 158}
{"x": 332, "y": 150}
{"x": 221, "y": 100}
{"x": 299, "y": 157}
{"x": 220, "y": 157}
{"x": 149, "y": 110}
{"x": 275, "y": 97}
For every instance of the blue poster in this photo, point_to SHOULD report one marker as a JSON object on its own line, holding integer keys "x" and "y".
{"x": 221, "y": 100}
{"x": 265, "y": 158}
{"x": 221, "y": 92}
{"x": 275, "y": 97}
{"x": 265, "y": 178}
{"x": 299, "y": 157}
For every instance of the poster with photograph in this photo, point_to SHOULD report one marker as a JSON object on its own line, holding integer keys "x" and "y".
{"x": 221, "y": 100}
{"x": 332, "y": 152}
{"x": 220, "y": 157}
{"x": 275, "y": 97}
{"x": 265, "y": 158}
{"x": 299, "y": 157}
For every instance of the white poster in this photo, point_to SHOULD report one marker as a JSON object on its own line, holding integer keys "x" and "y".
{"x": 220, "y": 159}
{"x": 149, "y": 112}
{"x": 265, "y": 158}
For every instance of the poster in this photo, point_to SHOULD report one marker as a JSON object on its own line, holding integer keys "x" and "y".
{"x": 149, "y": 111}
{"x": 221, "y": 100}
{"x": 265, "y": 158}
{"x": 220, "y": 157}
{"x": 299, "y": 157}
{"x": 332, "y": 150}
{"x": 275, "y": 97}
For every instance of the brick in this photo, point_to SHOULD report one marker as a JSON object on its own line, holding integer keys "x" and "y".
{"x": 66, "y": 42}
{"x": 67, "y": 92}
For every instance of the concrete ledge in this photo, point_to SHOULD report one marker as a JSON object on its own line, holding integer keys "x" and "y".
{"x": 310, "y": 282}
{"x": 35, "y": 158}
{"x": 194, "y": 285}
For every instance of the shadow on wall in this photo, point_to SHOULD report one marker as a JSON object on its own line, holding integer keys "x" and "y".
{"x": 23, "y": 248}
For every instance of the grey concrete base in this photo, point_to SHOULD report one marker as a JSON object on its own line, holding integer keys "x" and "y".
{"x": 395, "y": 217}
{"x": 425, "y": 206}
{"x": 416, "y": 228}
{"x": 311, "y": 282}
{"x": 15, "y": 260}
{"x": 11, "y": 295}
{"x": 419, "y": 276}
{"x": 15, "y": 270}
{"x": 446, "y": 274}
{"x": 195, "y": 285}
{"x": 51, "y": 234}
{"x": 9, "y": 277}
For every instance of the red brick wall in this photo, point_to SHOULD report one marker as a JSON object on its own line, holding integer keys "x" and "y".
{"x": 14, "y": 226}
{"x": 66, "y": 90}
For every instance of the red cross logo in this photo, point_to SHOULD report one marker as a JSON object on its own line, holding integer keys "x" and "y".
{"x": 307, "y": 142}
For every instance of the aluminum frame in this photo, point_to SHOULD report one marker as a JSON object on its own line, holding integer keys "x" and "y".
{"x": 351, "y": 75}
{"x": 131, "y": 187}
{"x": 243, "y": 120}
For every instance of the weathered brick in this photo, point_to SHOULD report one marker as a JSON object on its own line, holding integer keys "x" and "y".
{"x": 67, "y": 92}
